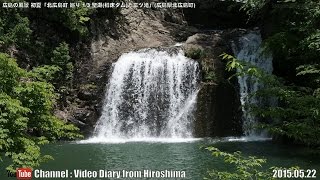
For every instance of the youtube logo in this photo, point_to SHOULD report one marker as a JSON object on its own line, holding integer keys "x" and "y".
{"x": 24, "y": 174}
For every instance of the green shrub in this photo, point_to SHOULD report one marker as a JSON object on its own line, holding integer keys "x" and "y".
{"x": 62, "y": 59}
{"x": 14, "y": 29}
{"x": 210, "y": 76}
{"x": 195, "y": 53}
{"x": 45, "y": 73}
{"x": 297, "y": 115}
{"x": 26, "y": 116}
{"x": 244, "y": 168}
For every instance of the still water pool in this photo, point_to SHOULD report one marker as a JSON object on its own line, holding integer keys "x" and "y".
{"x": 178, "y": 156}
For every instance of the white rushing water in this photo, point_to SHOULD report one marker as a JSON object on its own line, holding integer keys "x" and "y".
{"x": 248, "y": 48}
{"x": 151, "y": 94}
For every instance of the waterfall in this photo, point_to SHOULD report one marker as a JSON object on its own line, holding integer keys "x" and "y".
{"x": 248, "y": 48}
{"x": 150, "y": 94}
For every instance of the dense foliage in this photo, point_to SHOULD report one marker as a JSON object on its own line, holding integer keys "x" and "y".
{"x": 242, "y": 167}
{"x": 28, "y": 95}
{"x": 246, "y": 168}
{"x": 294, "y": 40}
{"x": 26, "y": 115}
{"x": 14, "y": 29}
{"x": 39, "y": 80}
{"x": 297, "y": 114}
{"x": 294, "y": 36}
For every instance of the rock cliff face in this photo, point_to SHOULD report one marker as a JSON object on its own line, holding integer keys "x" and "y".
{"x": 216, "y": 14}
{"x": 218, "y": 111}
{"x": 131, "y": 29}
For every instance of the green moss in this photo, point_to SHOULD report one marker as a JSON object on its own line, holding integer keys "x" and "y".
{"x": 210, "y": 76}
{"x": 206, "y": 63}
{"x": 195, "y": 53}
{"x": 208, "y": 69}
{"x": 88, "y": 87}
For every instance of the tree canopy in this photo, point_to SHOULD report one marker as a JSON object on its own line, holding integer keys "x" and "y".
{"x": 26, "y": 115}
{"x": 28, "y": 95}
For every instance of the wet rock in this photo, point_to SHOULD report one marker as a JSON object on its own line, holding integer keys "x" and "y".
{"x": 134, "y": 29}
{"x": 88, "y": 92}
{"x": 77, "y": 122}
{"x": 218, "y": 104}
{"x": 218, "y": 111}
{"x": 85, "y": 119}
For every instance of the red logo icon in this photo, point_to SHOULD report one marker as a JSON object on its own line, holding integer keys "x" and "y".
{"x": 24, "y": 174}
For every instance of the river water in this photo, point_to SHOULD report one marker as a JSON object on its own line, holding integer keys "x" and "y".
{"x": 163, "y": 155}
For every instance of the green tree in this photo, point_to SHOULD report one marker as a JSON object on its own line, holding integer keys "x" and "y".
{"x": 14, "y": 29}
{"x": 26, "y": 116}
{"x": 294, "y": 40}
{"x": 297, "y": 114}
{"x": 63, "y": 82}
{"x": 244, "y": 168}
{"x": 62, "y": 59}
{"x": 46, "y": 73}
{"x": 76, "y": 18}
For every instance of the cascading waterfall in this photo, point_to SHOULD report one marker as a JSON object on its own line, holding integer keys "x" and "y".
{"x": 248, "y": 48}
{"x": 151, "y": 94}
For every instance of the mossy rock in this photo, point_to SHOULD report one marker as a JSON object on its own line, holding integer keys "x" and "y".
{"x": 195, "y": 53}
